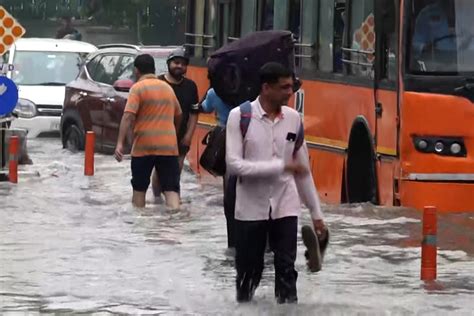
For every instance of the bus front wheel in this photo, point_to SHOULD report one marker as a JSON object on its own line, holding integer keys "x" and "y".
{"x": 361, "y": 179}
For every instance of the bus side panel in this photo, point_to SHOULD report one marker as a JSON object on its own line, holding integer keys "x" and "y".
{"x": 385, "y": 175}
{"x": 194, "y": 150}
{"x": 437, "y": 116}
{"x": 327, "y": 169}
{"x": 387, "y": 127}
{"x": 199, "y": 76}
{"x": 447, "y": 197}
{"x": 331, "y": 108}
{"x": 426, "y": 114}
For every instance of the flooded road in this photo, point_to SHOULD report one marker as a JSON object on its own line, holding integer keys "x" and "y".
{"x": 74, "y": 244}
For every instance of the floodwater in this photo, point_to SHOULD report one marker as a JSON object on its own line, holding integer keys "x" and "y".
{"x": 73, "y": 244}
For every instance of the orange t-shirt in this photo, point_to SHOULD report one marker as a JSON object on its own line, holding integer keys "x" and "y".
{"x": 155, "y": 105}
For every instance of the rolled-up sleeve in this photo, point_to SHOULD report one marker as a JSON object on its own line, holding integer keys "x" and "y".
{"x": 133, "y": 101}
{"x": 236, "y": 164}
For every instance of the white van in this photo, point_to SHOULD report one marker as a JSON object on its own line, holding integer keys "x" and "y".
{"x": 41, "y": 69}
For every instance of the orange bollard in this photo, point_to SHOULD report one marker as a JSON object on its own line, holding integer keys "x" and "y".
{"x": 89, "y": 154}
{"x": 13, "y": 164}
{"x": 428, "y": 245}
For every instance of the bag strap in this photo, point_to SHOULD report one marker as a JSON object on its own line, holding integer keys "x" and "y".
{"x": 299, "y": 139}
{"x": 245, "y": 117}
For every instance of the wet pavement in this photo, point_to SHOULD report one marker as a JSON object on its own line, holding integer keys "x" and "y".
{"x": 74, "y": 244}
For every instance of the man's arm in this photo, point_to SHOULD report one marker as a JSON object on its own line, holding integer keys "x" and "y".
{"x": 193, "y": 119}
{"x": 128, "y": 120}
{"x": 305, "y": 184}
{"x": 236, "y": 164}
{"x": 421, "y": 35}
{"x": 207, "y": 106}
{"x": 178, "y": 114}
{"x": 307, "y": 190}
{"x": 178, "y": 118}
{"x": 192, "y": 123}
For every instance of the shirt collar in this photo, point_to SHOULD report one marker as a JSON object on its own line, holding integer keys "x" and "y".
{"x": 147, "y": 76}
{"x": 262, "y": 114}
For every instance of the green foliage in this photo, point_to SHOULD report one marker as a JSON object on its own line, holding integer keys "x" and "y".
{"x": 161, "y": 21}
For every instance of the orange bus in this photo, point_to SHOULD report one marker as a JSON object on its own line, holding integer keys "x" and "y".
{"x": 387, "y": 95}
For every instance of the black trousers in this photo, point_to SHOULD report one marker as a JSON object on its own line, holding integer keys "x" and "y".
{"x": 230, "y": 185}
{"x": 251, "y": 240}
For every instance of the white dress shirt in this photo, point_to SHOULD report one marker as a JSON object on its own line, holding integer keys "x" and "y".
{"x": 264, "y": 189}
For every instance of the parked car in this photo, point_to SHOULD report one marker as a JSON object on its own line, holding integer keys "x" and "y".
{"x": 41, "y": 69}
{"x": 96, "y": 99}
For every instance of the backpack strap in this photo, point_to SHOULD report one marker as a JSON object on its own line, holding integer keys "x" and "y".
{"x": 245, "y": 117}
{"x": 299, "y": 139}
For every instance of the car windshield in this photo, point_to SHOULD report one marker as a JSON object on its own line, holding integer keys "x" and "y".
{"x": 443, "y": 37}
{"x": 160, "y": 65}
{"x": 46, "y": 68}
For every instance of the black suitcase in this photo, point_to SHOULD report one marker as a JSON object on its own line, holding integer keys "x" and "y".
{"x": 233, "y": 69}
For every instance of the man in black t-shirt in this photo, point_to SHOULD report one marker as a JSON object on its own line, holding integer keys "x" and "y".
{"x": 187, "y": 95}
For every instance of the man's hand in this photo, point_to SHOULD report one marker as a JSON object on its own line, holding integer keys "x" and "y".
{"x": 294, "y": 167}
{"x": 186, "y": 141}
{"x": 320, "y": 228}
{"x": 119, "y": 152}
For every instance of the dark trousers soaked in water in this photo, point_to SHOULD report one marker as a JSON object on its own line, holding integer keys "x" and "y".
{"x": 251, "y": 240}
{"x": 230, "y": 183}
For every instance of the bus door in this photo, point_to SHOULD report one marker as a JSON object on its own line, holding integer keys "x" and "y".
{"x": 386, "y": 95}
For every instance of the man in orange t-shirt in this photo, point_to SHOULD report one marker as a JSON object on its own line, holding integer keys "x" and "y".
{"x": 155, "y": 113}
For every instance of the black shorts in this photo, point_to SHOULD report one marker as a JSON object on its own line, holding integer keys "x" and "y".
{"x": 167, "y": 168}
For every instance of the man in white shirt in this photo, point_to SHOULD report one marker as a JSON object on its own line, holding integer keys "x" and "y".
{"x": 272, "y": 179}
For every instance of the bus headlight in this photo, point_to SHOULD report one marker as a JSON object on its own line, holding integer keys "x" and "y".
{"x": 455, "y": 148}
{"x": 440, "y": 145}
{"x": 422, "y": 144}
{"x": 25, "y": 108}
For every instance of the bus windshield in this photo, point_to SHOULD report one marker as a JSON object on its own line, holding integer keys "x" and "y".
{"x": 442, "y": 38}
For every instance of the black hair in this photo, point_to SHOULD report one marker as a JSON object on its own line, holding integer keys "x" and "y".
{"x": 145, "y": 64}
{"x": 271, "y": 72}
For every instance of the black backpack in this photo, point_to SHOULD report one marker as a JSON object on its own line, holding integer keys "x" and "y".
{"x": 233, "y": 69}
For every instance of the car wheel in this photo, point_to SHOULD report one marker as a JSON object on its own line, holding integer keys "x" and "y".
{"x": 74, "y": 138}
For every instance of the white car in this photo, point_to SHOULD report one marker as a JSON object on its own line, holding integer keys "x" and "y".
{"x": 41, "y": 69}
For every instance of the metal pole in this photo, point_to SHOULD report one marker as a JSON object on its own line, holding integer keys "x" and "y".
{"x": 89, "y": 154}
{"x": 428, "y": 245}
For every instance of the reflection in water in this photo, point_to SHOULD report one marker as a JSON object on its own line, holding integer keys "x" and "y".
{"x": 70, "y": 243}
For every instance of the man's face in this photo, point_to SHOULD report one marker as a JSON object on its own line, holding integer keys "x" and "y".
{"x": 280, "y": 92}
{"x": 178, "y": 67}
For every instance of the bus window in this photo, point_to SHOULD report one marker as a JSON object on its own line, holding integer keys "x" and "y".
{"x": 443, "y": 37}
{"x": 265, "y": 16}
{"x": 235, "y": 27}
{"x": 339, "y": 22}
{"x": 210, "y": 27}
{"x": 362, "y": 39}
{"x": 190, "y": 26}
{"x": 326, "y": 34}
{"x": 201, "y": 26}
{"x": 390, "y": 40}
{"x": 295, "y": 18}
{"x": 295, "y": 27}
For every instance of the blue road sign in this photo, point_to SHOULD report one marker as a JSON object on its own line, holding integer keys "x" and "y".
{"x": 8, "y": 95}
